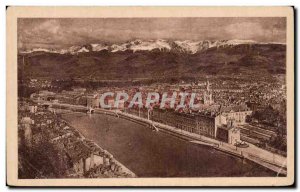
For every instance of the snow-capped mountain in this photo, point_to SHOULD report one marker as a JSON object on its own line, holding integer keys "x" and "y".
{"x": 39, "y": 50}
{"x": 139, "y": 45}
{"x": 193, "y": 47}
{"x": 116, "y": 47}
{"x": 186, "y": 46}
{"x": 77, "y": 49}
{"x": 99, "y": 47}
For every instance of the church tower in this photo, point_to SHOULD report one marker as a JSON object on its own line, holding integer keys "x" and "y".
{"x": 208, "y": 100}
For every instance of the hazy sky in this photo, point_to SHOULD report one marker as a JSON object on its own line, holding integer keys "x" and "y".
{"x": 59, "y": 33}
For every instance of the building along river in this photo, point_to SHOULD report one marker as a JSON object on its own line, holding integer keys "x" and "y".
{"x": 157, "y": 154}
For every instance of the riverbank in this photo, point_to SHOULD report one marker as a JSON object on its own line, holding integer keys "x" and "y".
{"x": 105, "y": 153}
{"x": 50, "y": 147}
{"x": 267, "y": 159}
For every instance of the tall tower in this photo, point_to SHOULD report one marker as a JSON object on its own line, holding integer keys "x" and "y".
{"x": 208, "y": 100}
{"x": 208, "y": 86}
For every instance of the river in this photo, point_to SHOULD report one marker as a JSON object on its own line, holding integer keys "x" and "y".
{"x": 156, "y": 154}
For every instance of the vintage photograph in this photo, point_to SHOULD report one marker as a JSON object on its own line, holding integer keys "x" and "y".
{"x": 152, "y": 97}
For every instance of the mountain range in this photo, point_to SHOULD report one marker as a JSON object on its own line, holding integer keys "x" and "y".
{"x": 154, "y": 59}
{"x": 186, "y": 46}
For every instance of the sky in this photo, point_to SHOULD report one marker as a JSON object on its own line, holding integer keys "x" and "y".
{"x": 65, "y": 32}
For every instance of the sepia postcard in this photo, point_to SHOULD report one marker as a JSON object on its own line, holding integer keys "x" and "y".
{"x": 150, "y": 96}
